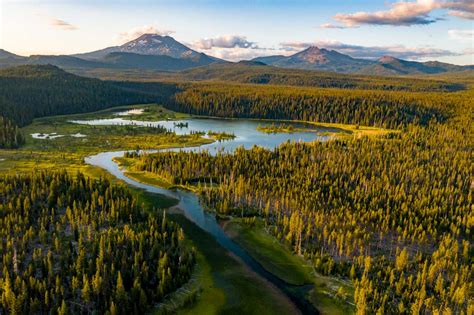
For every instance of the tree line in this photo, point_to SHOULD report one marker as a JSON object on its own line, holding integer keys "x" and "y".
{"x": 370, "y": 108}
{"x": 73, "y": 245}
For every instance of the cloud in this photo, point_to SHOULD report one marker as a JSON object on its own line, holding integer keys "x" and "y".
{"x": 462, "y": 14}
{"x": 406, "y": 13}
{"x": 329, "y": 25}
{"x": 237, "y": 54}
{"x": 372, "y": 52}
{"x": 468, "y": 51}
{"x": 226, "y": 41}
{"x": 62, "y": 25}
{"x": 464, "y": 36}
{"x": 401, "y": 13}
{"x": 463, "y": 9}
{"x": 139, "y": 31}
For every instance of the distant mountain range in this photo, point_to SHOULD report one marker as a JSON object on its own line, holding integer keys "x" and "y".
{"x": 314, "y": 58}
{"x": 164, "y": 53}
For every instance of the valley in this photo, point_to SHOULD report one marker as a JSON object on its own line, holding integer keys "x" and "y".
{"x": 68, "y": 152}
{"x": 155, "y": 176}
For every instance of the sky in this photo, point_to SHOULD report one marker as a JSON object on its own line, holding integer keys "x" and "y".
{"x": 419, "y": 30}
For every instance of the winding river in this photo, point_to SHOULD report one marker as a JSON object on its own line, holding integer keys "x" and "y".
{"x": 246, "y": 136}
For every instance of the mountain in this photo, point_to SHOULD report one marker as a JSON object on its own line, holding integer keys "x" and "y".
{"x": 155, "y": 45}
{"x": 149, "y": 51}
{"x": 151, "y": 62}
{"x": 269, "y": 60}
{"x": 163, "y": 53}
{"x": 9, "y": 59}
{"x": 6, "y": 54}
{"x": 314, "y": 58}
{"x": 68, "y": 62}
{"x": 63, "y": 61}
{"x": 388, "y": 65}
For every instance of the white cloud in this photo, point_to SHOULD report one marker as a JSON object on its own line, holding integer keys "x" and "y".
{"x": 226, "y": 41}
{"x": 139, "y": 31}
{"x": 62, "y": 25}
{"x": 237, "y": 54}
{"x": 406, "y": 13}
{"x": 329, "y": 25}
{"x": 464, "y": 36}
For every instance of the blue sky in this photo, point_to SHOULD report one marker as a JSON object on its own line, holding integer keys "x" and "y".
{"x": 418, "y": 30}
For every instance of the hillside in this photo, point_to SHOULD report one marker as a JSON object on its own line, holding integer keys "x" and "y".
{"x": 27, "y": 92}
{"x": 244, "y": 72}
{"x": 392, "y": 66}
{"x": 158, "y": 62}
{"x": 154, "y": 45}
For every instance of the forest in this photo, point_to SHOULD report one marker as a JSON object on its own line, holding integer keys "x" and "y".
{"x": 369, "y": 108}
{"x": 256, "y": 73}
{"x": 74, "y": 245}
{"x": 28, "y": 92}
{"x": 392, "y": 214}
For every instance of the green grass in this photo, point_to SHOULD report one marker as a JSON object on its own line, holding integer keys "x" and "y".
{"x": 69, "y": 152}
{"x": 330, "y": 129}
{"x": 227, "y": 287}
{"x": 269, "y": 252}
{"x": 282, "y": 262}
{"x": 148, "y": 177}
{"x": 153, "y": 112}
{"x": 323, "y": 296}
{"x": 154, "y": 201}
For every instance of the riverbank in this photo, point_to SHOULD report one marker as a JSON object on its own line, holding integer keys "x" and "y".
{"x": 226, "y": 284}
{"x": 336, "y": 130}
{"x": 221, "y": 282}
{"x": 278, "y": 259}
{"x": 76, "y": 142}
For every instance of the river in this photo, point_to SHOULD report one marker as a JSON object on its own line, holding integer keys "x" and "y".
{"x": 247, "y": 136}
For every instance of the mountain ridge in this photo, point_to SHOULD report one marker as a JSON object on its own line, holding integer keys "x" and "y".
{"x": 164, "y": 53}
{"x": 314, "y": 58}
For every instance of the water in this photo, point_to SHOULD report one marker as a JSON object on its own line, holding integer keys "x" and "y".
{"x": 245, "y": 131}
{"x": 247, "y": 136}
